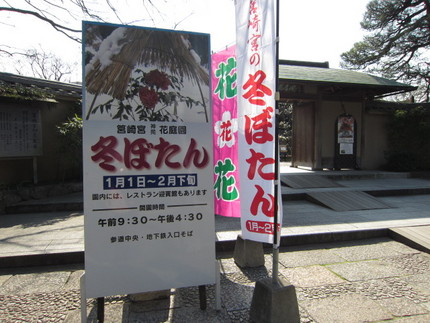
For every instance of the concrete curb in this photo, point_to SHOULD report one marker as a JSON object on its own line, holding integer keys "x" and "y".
{"x": 227, "y": 246}
{"x": 51, "y": 259}
{"x": 290, "y": 196}
{"x": 39, "y": 208}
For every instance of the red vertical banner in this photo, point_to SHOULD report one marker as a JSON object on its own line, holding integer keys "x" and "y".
{"x": 225, "y": 126}
{"x": 256, "y": 69}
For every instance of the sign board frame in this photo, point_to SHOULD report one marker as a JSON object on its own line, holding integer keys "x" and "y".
{"x": 148, "y": 181}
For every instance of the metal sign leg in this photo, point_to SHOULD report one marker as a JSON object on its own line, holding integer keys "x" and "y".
{"x": 100, "y": 309}
{"x": 202, "y": 297}
{"x": 217, "y": 287}
{"x": 83, "y": 300}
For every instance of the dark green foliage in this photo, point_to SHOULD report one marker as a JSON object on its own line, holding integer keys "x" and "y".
{"x": 20, "y": 92}
{"x": 285, "y": 128}
{"x": 70, "y": 147}
{"x": 397, "y": 43}
{"x": 408, "y": 140}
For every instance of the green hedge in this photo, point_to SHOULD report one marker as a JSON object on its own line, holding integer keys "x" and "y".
{"x": 409, "y": 140}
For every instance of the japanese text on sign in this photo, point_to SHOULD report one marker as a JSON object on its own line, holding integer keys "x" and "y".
{"x": 225, "y": 134}
{"x": 134, "y": 154}
{"x": 149, "y": 181}
{"x": 256, "y": 66}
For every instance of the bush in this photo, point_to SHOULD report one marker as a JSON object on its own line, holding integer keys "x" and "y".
{"x": 408, "y": 140}
{"x": 70, "y": 147}
{"x": 401, "y": 162}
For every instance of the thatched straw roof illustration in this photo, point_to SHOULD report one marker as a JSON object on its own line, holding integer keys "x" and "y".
{"x": 166, "y": 50}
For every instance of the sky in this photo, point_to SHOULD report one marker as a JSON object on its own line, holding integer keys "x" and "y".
{"x": 310, "y": 30}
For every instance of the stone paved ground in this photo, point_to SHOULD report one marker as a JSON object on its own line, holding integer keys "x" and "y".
{"x": 358, "y": 281}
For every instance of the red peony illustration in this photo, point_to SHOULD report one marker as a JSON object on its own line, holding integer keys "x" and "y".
{"x": 158, "y": 79}
{"x": 148, "y": 97}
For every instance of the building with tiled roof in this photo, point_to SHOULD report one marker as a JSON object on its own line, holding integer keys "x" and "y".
{"x": 31, "y": 108}
{"x": 327, "y": 100}
{"x": 30, "y": 111}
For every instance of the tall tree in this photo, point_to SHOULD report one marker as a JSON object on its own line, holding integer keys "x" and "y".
{"x": 44, "y": 65}
{"x": 65, "y": 15}
{"x": 397, "y": 45}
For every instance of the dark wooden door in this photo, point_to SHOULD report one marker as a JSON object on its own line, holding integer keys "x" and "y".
{"x": 303, "y": 153}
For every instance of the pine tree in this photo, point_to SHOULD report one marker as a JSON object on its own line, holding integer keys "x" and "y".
{"x": 397, "y": 44}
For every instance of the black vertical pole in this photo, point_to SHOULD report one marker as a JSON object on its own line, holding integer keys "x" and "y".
{"x": 100, "y": 309}
{"x": 202, "y": 297}
{"x": 276, "y": 173}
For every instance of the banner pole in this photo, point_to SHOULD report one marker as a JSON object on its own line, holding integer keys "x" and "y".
{"x": 276, "y": 235}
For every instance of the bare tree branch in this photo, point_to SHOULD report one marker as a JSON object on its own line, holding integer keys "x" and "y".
{"x": 44, "y": 65}
{"x": 54, "y": 5}
{"x": 58, "y": 27}
{"x": 114, "y": 11}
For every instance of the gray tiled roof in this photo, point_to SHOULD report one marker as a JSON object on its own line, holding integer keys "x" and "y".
{"x": 337, "y": 76}
{"x": 53, "y": 87}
